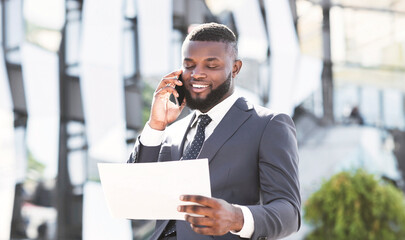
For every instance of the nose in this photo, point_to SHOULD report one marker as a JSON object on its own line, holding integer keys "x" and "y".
{"x": 198, "y": 74}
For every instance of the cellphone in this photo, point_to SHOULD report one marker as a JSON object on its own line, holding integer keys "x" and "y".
{"x": 180, "y": 90}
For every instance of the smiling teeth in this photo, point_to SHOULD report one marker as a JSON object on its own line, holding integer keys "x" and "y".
{"x": 199, "y": 86}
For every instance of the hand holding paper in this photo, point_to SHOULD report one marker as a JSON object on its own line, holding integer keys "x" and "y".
{"x": 217, "y": 217}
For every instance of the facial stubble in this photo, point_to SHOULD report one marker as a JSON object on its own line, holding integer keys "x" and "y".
{"x": 212, "y": 99}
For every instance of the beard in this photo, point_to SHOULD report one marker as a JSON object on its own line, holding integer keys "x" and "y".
{"x": 212, "y": 99}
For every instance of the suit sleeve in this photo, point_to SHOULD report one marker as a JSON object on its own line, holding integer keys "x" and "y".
{"x": 279, "y": 214}
{"x": 149, "y": 150}
{"x": 141, "y": 153}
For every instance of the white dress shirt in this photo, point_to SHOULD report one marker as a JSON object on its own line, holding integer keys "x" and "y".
{"x": 151, "y": 137}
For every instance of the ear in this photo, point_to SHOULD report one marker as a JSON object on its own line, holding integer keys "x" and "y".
{"x": 237, "y": 65}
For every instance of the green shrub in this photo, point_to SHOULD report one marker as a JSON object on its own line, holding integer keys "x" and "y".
{"x": 356, "y": 206}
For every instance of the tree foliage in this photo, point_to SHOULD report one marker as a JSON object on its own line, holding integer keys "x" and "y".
{"x": 35, "y": 168}
{"x": 356, "y": 205}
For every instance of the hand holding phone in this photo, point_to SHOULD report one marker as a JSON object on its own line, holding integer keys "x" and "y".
{"x": 163, "y": 112}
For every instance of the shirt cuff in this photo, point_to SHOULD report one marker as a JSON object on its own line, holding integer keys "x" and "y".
{"x": 248, "y": 223}
{"x": 151, "y": 137}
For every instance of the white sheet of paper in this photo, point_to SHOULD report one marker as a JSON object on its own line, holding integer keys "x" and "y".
{"x": 152, "y": 190}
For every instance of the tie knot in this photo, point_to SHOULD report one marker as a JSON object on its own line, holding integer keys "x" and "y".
{"x": 204, "y": 120}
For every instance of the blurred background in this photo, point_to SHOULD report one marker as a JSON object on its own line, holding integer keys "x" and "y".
{"x": 77, "y": 78}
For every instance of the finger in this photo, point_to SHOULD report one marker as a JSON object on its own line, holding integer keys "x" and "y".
{"x": 183, "y": 104}
{"x": 196, "y": 209}
{"x": 206, "y": 201}
{"x": 176, "y": 100}
{"x": 172, "y": 79}
{"x": 174, "y": 74}
{"x": 168, "y": 83}
{"x": 165, "y": 90}
{"x": 170, "y": 89}
{"x": 199, "y": 221}
{"x": 168, "y": 78}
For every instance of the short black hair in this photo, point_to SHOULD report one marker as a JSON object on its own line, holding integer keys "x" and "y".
{"x": 214, "y": 32}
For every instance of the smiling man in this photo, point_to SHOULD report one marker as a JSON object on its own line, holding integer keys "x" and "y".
{"x": 252, "y": 151}
{"x": 203, "y": 93}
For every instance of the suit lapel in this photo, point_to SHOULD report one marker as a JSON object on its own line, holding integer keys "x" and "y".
{"x": 180, "y": 138}
{"x": 233, "y": 119}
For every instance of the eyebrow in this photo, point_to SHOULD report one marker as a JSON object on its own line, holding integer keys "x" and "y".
{"x": 211, "y": 59}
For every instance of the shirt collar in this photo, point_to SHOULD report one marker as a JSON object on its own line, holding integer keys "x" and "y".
{"x": 218, "y": 111}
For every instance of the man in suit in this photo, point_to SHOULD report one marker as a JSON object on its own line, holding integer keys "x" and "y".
{"x": 252, "y": 151}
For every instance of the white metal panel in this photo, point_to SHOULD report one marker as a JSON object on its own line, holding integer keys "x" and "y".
{"x": 294, "y": 77}
{"x": 5, "y": 94}
{"x": 308, "y": 78}
{"x": 252, "y": 40}
{"x": 45, "y": 13}
{"x": 41, "y": 85}
{"x": 285, "y": 55}
{"x": 21, "y": 157}
{"x": 7, "y": 162}
{"x": 155, "y": 28}
{"x": 103, "y": 104}
{"x": 338, "y": 36}
{"x": 283, "y": 38}
{"x": 101, "y": 80}
{"x": 14, "y": 23}
{"x": 284, "y": 75}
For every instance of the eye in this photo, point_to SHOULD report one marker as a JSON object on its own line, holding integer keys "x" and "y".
{"x": 212, "y": 66}
{"x": 189, "y": 67}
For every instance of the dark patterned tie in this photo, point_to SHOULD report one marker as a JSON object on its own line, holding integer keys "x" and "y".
{"x": 191, "y": 153}
{"x": 195, "y": 147}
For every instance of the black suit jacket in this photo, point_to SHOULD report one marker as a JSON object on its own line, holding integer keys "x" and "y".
{"x": 253, "y": 161}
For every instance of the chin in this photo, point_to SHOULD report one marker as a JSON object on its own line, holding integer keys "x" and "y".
{"x": 199, "y": 97}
